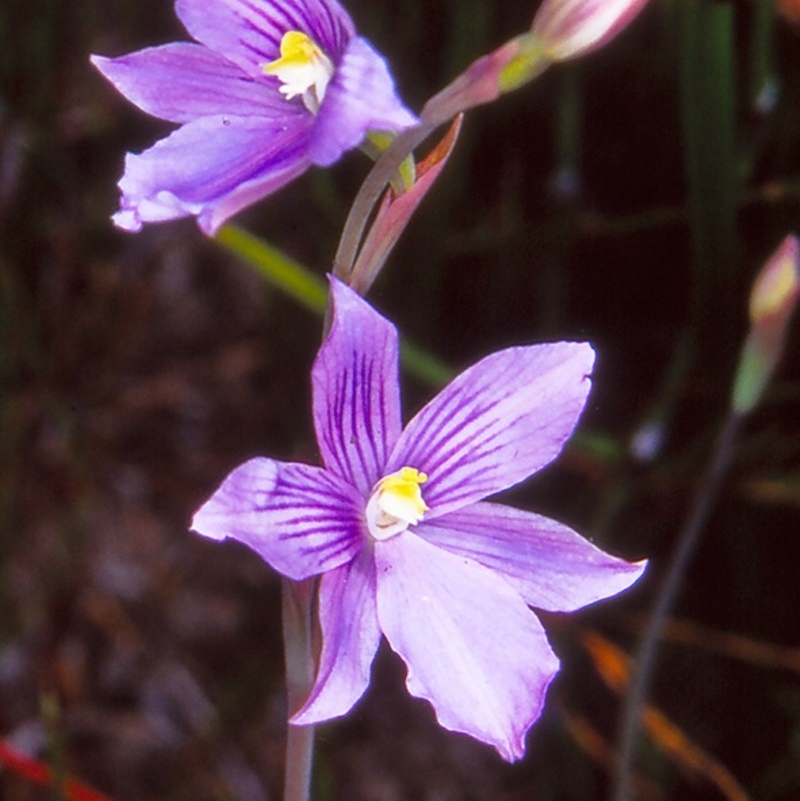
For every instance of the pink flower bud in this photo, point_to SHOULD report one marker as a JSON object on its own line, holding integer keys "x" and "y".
{"x": 773, "y": 300}
{"x": 572, "y": 28}
{"x": 777, "y": 286}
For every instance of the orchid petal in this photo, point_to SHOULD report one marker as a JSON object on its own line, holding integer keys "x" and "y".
{"x": 550, "y": 565}
{"x": 182, "y": 81}
{"x": 497, "y": 423}
{"x": 300, "y": 519}
{"x": 350, "y": 638}
{"x": 360, "y": 97}
{"x": 249, "y": 32}
{"x": 356, "y": 390}
{"x": 473, "y": 648}
{"x": 199, "y": 168}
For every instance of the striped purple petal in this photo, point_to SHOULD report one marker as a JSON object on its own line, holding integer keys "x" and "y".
{"x": 497, "y": 423}
{"x": 356, "y": 391}
{"x": 361, "y": 97}
{"x": 182, "y": 81}
{"x": 350, "y": 637}
{"x": 249, "y": 32}
{"x": 212, "y": 167}
{"x": 301, "y": 519}
{"x": 472, "y": 646}
{"x": 550, "y": 565}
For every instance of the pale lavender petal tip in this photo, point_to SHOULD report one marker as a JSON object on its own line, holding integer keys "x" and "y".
{"x": 211, "y": 168}
{"x": 473, "y": 648}
{"x": 550, "y": 565}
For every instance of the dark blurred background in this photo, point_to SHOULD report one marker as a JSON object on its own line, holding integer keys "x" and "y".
{"x": 627, "y": 199}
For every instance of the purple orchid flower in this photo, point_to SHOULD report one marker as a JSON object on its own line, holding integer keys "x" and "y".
{"x": 396, "y": 525}
{"x": 273, "y": 87}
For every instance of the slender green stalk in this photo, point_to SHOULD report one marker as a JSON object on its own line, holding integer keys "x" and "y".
{"x": 423, "y": 366}
{"x": 296, "y": 607}
{"x": 369, "y": 193}
{"x": 676, "y": 571}
{"x": 569, "y": 122}
{"x": 307, "y": 288}
{"x": 276, "y": 267}
{"x": 708, "y": 110}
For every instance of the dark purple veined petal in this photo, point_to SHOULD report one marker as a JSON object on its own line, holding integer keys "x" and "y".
{"x": 497, "y": 423}
{"x": 356, "y": 390}
{"x": 211, "y": 168}
{"x": 550, "y": 565}
{"x": 472, "y": 646}
{"x": 350, "y": 637}
{"x": 182, "y": 81}
{"x": 360, "y": 97}
{"x": 300, "y": 519}
{"x": 249, "y": 32}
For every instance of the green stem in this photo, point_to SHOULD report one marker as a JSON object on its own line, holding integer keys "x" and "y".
{"x": 299, "y": 282}
{"x": 369, "y": 193}
{"x": 300, "y": 667}
{"x": 276, "y": 267}
{"x": 708, "y": 110}
{"x": 676, "y": 571}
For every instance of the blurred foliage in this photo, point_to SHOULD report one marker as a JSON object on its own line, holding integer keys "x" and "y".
{"x": 628, "y": 199}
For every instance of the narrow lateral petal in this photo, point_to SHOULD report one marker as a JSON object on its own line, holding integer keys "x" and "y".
{"x": 249, "y": 32}
{"x": 200, "y": 166}
{"x": 361, "y": 97}
{"x": 497, "y": 423}
{"x": 472, "y": 646}
{"x": 350, "y": 638}
{"x": 298, "y": 518}
{"x": 182, "y": 81}
{"x": 356, "y": 390}
{"x": 550, "y": 565}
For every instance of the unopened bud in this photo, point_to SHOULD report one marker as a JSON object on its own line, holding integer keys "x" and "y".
{"x": 572, "y": 28}
{"x": 776, "y": 287}
{"x": 772, "y": 302}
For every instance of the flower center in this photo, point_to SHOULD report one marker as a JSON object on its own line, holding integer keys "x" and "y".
{"x": 396, "y": 503}
{"x": 303, "y": 69}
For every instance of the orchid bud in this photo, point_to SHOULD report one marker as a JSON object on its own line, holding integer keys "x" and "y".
{"x": 572, "y": 28}
{"x": 772, "y": 301}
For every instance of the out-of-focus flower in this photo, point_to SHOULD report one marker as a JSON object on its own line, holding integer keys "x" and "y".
{"x": 773, "y": 301}
{"x": 572, "y": 28}
{"x": 397, "y": 525}
{"x": 273, "y": 87}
